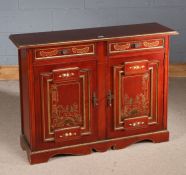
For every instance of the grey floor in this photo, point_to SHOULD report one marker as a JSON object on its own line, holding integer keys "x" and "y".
{"x": 167, "y": 158}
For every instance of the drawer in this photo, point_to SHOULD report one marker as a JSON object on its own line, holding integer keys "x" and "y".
{"x": 118, "y": 47}
{"x": 65, "y": 51}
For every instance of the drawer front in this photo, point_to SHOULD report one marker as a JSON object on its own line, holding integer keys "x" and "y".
{"x": 117, "y": 47}
{"x": 65, "y": 51}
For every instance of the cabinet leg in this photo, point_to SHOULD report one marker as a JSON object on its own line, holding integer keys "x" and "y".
{"x": 163, "y": 137}
{"x": 35, "y": 159}
{"x": 45, "y": 156}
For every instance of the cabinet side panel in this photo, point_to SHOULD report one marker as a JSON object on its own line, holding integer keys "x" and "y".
{"x": 166, "y": 80}
{"x": 24, "y": 94}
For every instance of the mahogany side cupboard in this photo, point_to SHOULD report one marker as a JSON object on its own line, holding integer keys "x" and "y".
{"x": 92, "y": 89}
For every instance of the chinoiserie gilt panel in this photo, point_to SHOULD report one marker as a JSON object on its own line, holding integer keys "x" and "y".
{"x": 65, "y": 102}
{"x": 135, "y": 94}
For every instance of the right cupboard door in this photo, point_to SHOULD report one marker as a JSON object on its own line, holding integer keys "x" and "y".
{"x": 135, "y": 95}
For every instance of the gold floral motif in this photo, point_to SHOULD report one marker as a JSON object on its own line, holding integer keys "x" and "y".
{"x": 80, "y": 51}
{"x": 139, "y": 105}
{"x": 54, "y": 92}
{"x": 122, "y": 47}
{"x": 151, "y": 44}
{"x": 48, "y": 53}
{"x": 136, "y": 67}
{"x": 65, "y": 116}
{"x": 66, "y": 75}
{"x": 136, "y": 123}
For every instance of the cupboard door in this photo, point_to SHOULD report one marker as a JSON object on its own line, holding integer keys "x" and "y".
{"x": 135, "y": 96}
{"x": 66, "y": 99}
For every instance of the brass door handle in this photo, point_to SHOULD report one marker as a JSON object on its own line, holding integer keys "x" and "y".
{"x": 94, "y": 100}
{"x": 109, "y": 98}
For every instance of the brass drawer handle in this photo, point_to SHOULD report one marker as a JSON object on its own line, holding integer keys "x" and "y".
{"x": 64, "y": 51}
{"x": 136, "y": 45}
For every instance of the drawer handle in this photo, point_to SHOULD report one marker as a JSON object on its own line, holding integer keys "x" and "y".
{"x": 135, "y": 45}
{"x": 64, "y": 51}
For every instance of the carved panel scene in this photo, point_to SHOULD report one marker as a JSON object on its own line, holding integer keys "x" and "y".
{"x": 135, "y": 100}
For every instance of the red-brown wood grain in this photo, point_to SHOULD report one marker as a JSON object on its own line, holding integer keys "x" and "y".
{"x": 85, "y": 94}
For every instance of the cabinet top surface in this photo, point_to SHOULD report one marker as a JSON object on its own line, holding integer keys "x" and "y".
{"x": 89, "y": 34}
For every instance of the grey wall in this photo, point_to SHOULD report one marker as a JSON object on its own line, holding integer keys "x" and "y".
{"x": 21, "y": 16}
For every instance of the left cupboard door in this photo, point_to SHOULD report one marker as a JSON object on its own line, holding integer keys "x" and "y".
{"x": 66, "y": 104}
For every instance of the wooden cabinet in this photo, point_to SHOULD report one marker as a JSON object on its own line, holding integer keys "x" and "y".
{"x": 92, "y": 89}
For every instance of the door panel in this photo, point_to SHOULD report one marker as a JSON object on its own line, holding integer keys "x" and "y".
{"x": 68, "y": 115}
{"x": 66, "y": 98}
{"x": 137, "y": 97}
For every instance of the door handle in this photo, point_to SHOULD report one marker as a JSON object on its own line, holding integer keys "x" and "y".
{"x": 94, "y": 99}
{"x": 109, "y": 98}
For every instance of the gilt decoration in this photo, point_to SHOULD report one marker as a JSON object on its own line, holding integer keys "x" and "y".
{"x": 63, "y": 115}
{"x": 138, "y": 105}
